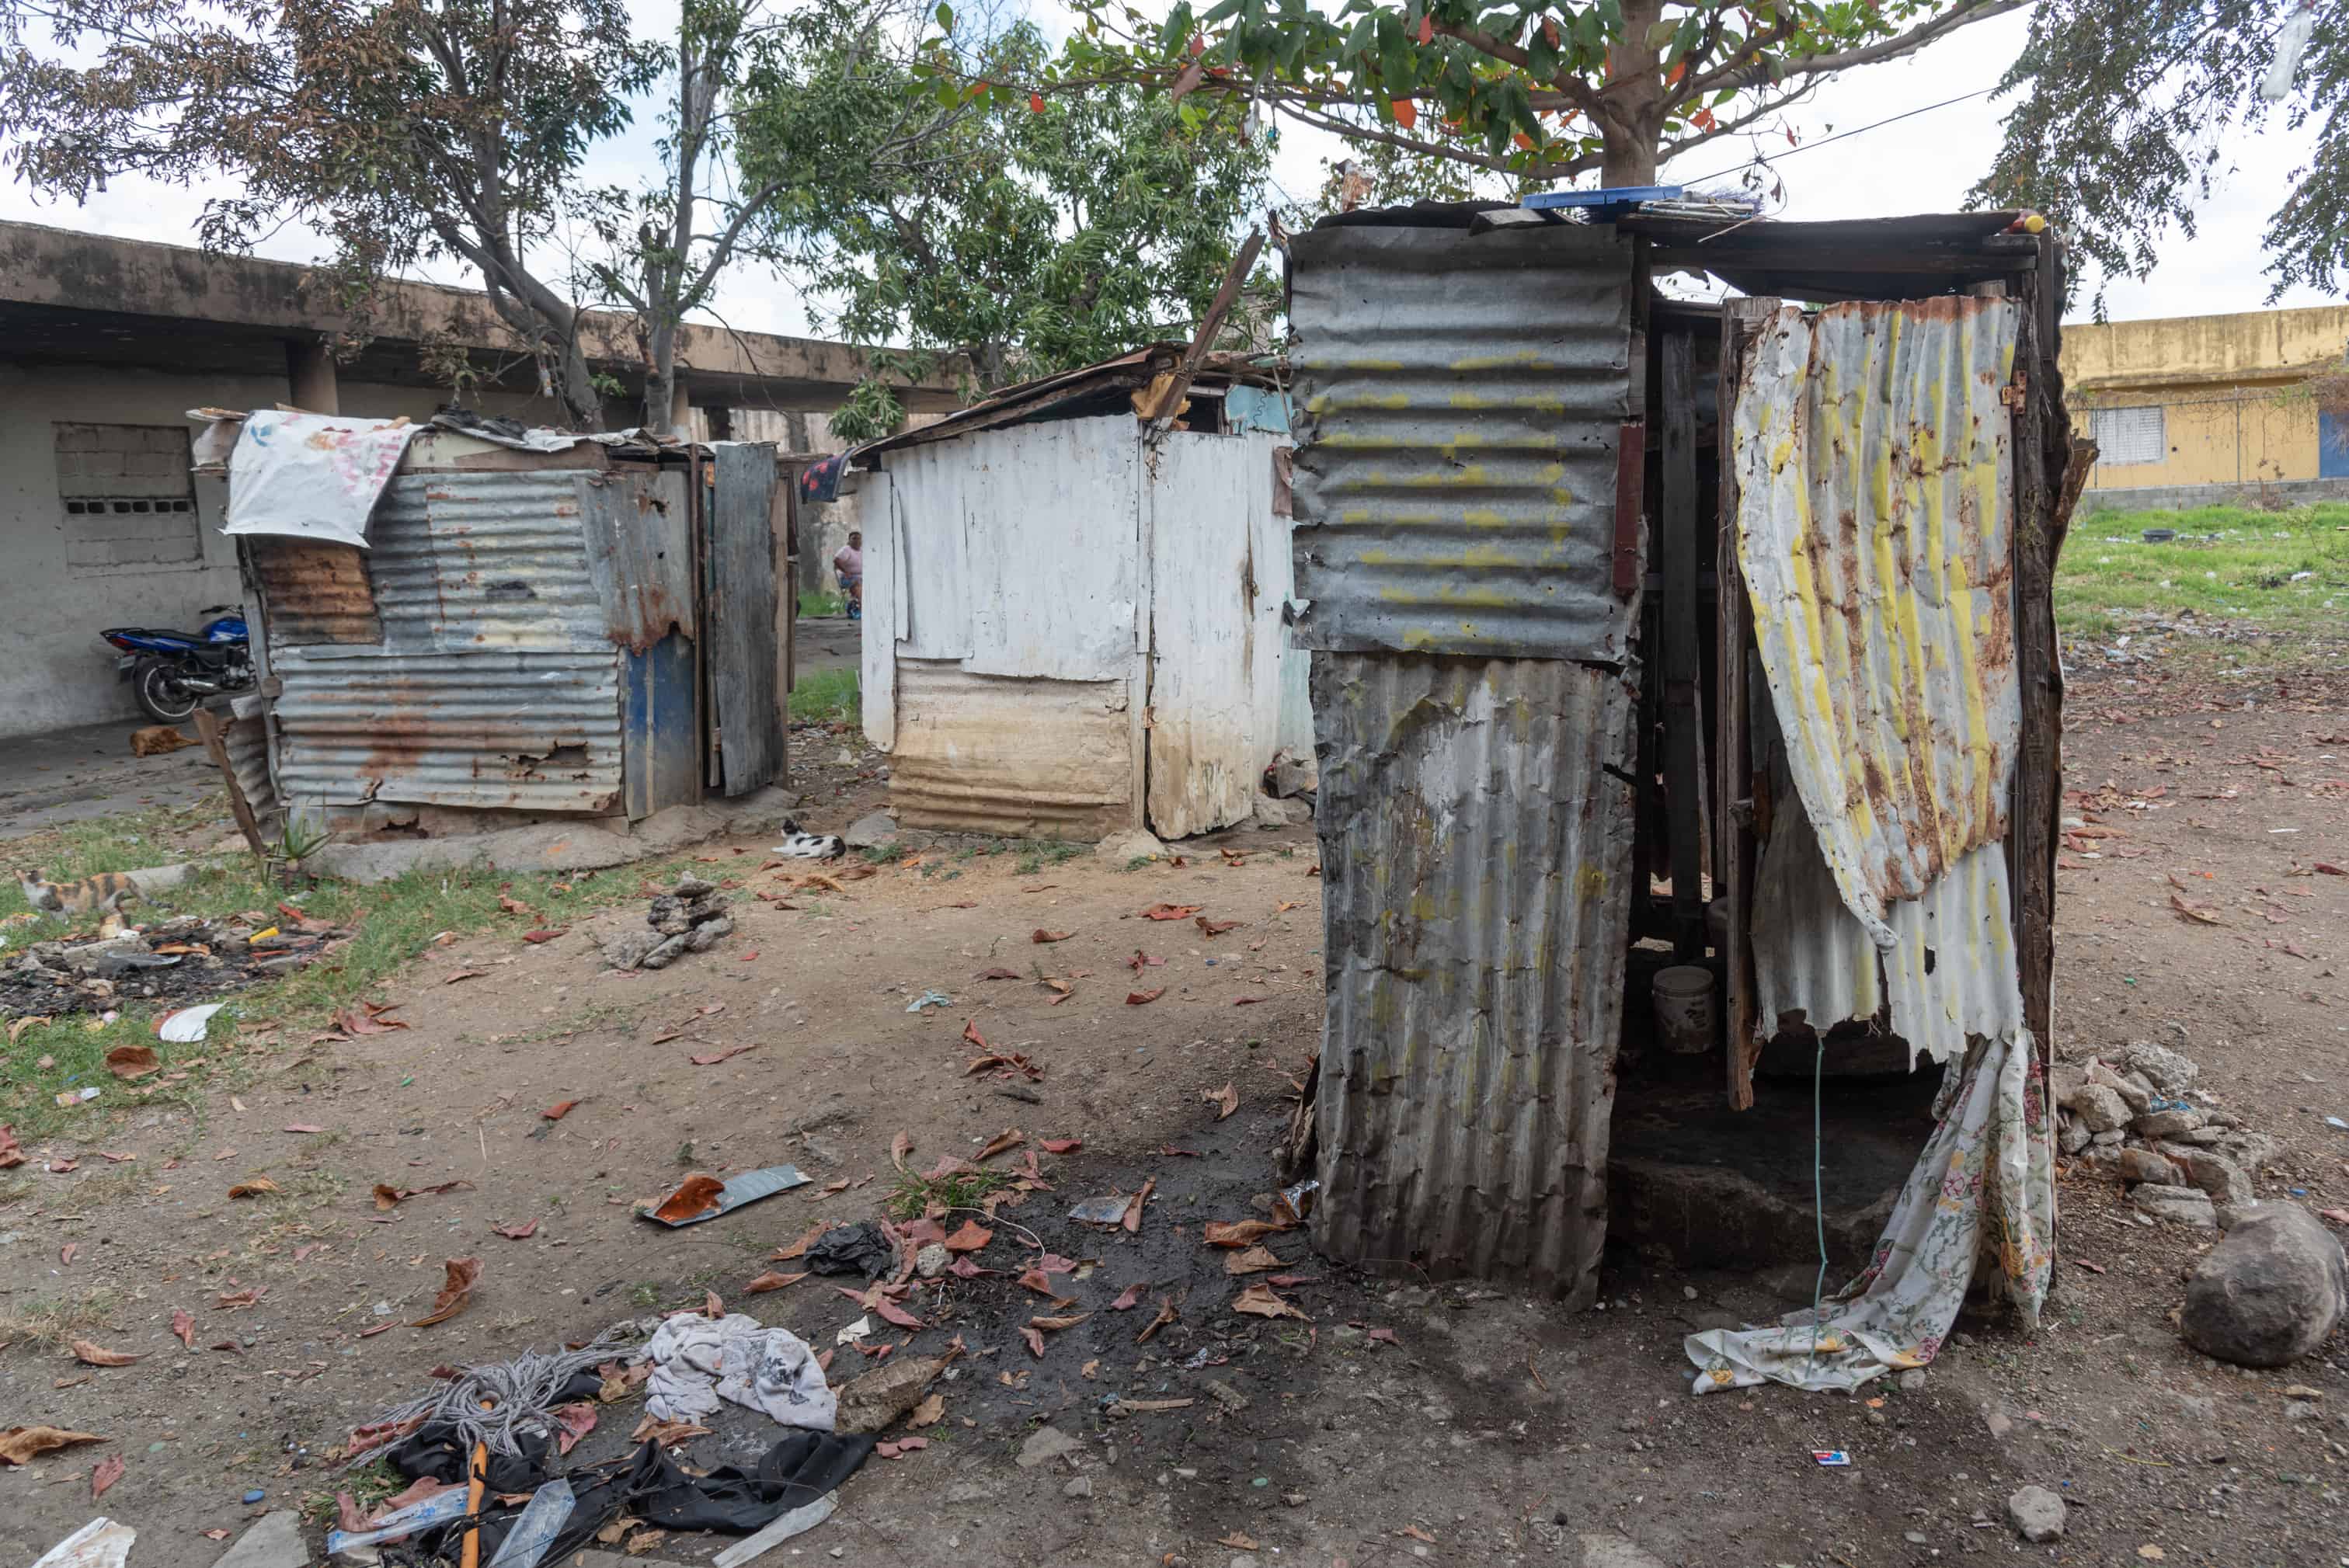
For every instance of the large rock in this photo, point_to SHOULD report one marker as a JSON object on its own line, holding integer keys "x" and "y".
{"x": 2187, "y": 1205}
{"x": 627, "y": 949}
{"x": 2268, "y": 1292}
{"x": 2213, "y": 1172}
{"x": 2169, "y": 1072}
{"x": 2168, "y": 1123}
{"x": 871, "y": 831}
{"x": 2144, "y": 1165}
{"x": 1119, "y": 850}
{"x": 2131, "y": 1089}
{"x": 2073, "y": 1136}
{"x": 2037, "y": 1513}
{"x": 2099, "y": 1108}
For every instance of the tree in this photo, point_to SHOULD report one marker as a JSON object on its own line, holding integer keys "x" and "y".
{"x": 934, "y": 206}
{"x": 2124, "y": 108}
{"x": 1541, "y": 91}
{"x": 402, "y": 131}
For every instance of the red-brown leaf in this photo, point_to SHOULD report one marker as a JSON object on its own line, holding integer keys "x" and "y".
{"x": 104, "y": 1474}
{"x": 1035, "y": 1338}
{"x": 1129, "y": 1298}
{"x": 90, "y": 1355}
{"x": 456, "y": 974}
{"x": 1060, "y": 1145}
{"x": 1137, "y": 999}
{"x": 1040, "y": 935}
{"x": 971, "y": 1238}
{"x": 456, "y": 1290}
{"x": 1009, "y": 1138}
{"x": 571, "y": 1422}
{"x": 559, "y": 1109}
{"x": 729, "y": 1054}
{"x": 511, "y": 904}
{"x": 1172, "y": 911}
{"x": 996, "y": 975}
{"x": 521, "y": 1233}
{"x": 1259, "y": 1300}
{"x": 1215, "y": 927}
{"x": 1226, "y": 1099}
{"x": 771, "y": 1280}
{"x": 1238, "y": 1232}
{"x": 184, "y": 1326}
{"x": 970, "y": 1033}
{"x": 1132, "y": 1217}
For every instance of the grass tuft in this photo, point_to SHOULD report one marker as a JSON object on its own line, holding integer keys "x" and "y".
{"x": 826, "y": 697}
{"x": 915, "y": 1193}
{"x": 2281, "y": 573}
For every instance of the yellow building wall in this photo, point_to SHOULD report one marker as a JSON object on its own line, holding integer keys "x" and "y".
{"x": 2229, "y": 386}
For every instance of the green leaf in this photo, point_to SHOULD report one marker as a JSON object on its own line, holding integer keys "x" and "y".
{"x": 945, "y": 15}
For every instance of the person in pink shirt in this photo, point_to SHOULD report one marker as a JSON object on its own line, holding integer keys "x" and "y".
{"x": 848, "y": 563}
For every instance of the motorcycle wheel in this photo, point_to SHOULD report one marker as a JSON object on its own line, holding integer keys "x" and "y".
{"x": 159, "y": 692}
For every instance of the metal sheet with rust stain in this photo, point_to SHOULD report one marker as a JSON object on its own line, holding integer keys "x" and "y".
{"x": 1476, "y": 866}
{"x": 1017, "y": 757}
{"x": 639, "y": 545}
{"x": 316, "y": 593}
{"x": 495, "y": 683}
{"x": 1873, "y": 452}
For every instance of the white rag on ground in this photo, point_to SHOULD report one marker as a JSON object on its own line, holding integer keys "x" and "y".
{"x": 311, "y": 476}
{"x": 698, "y": 1361}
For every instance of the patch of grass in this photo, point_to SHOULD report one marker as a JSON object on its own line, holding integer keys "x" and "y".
{"x": 393, "y": 922}
{"x": 826, "y": 697}
{"x": 820, "y": 603}
{"x": 121, "y": 842}
{"x": 1035, "y": 854}
{"x": 915, "y": 1193}
{"x": 55, "y": 1325}
{"x": 2279, "y": 572}
{"x": 645, "y": 1293}
{"x": 880, "y": 854}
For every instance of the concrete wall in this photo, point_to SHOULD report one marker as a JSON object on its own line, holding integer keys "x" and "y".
{"x": 2223, "y": 349}
{"x": 2237, "y": 435}
{"x": 63, "y": 577}
{"x": 2186, "y": 498}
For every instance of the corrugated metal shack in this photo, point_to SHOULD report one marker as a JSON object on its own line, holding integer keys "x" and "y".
{"x": 1566, "y": 550}
{"x": 1073, "y": 624}
{"x": 591, "y": 630}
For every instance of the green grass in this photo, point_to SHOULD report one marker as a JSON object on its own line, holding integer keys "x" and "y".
{"x": 396, "y": 922}
{"x": 818, "y": 602}
{"x": 826, "y": 697}
{"x": 1035, "y": 854}
{"x": 915, "y": 1193}
{"x": 2227, "y": 563}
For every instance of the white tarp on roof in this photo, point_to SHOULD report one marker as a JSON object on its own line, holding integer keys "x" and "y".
{"x": 311, "y": 476}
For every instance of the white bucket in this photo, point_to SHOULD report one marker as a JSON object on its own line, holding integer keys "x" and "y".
{"x": 1683, "y": 994}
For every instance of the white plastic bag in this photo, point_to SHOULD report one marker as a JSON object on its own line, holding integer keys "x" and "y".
{"x": 2291, "y": 42}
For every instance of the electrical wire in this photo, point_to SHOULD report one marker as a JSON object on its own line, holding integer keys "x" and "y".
{"x": 1838, "y": 135}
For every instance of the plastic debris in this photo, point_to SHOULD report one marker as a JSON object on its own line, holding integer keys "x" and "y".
{"x": 441, "y": 1508}
{"x": 798, "y": 1522}
{"x": 74, "y": 1096}
{"x": 187, "y": 1026}
{"x": 929, "y": 999}
{"x": 1107, "y": 1211}
{"x": 100, "y": 1543}
{"x": 859, "y": 1249}
{"x": 747, "y": 1188}
{"x": 534, "y": 1531}
{"x": 255, "y": 1495}
{"x": 860, "y": 1329}
{"x": 1833, "y": 1459}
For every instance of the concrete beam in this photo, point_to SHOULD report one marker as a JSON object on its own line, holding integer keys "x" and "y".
{"x": 310, "y": 378}
{"x": 66, "y": 269}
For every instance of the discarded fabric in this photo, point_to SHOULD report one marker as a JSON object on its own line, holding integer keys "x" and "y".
{"x": 929, "y": 999}
{"x": 859, "y": 1249}
{"x": 311, "y": 476}
{"x": 100, "y": 1543}
{"x": 696, "y": 1361}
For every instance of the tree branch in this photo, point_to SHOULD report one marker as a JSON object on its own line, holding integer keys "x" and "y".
{"x": 1963, "y": 15}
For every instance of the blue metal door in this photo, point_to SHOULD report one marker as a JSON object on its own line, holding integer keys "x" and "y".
{"x": 2331, "y": 446}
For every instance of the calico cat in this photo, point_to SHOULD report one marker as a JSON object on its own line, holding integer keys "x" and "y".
{"x": 105, "y": 891}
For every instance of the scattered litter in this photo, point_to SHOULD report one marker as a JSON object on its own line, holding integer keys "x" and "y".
{"x": 701, "y": 1197}
{"x": 860, "y": 1249}
{"x": 74, "y": 1096}
{"x": 1296, "y": 1203}
{"x": 1833, "y": 1459}
{"x": 541, "y": 1522}
{"x": 100, "y": 1543}
{"x": 255, "y": 1495}
{"x": 187, "y": 1026}
{"x": 929, "y": 999}
{"x": 441, "y": 1508}
{"x": 856, "y": 1332}
{"x": 2336, "y": 1122}
{"x": 1109, "y": 1211}
{"x": 696, "y": 1361}
{"x": 798, "y": 1522}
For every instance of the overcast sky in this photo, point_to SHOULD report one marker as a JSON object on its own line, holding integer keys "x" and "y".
{"x": 1921, "y": 164}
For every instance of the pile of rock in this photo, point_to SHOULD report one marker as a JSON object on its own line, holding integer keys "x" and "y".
{"x": 2136, "y": 1119}
{"x": 691, "y": 917}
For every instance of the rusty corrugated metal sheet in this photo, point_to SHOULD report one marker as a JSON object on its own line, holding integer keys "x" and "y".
{"x": 246, "y": 738}
{"x": 1476, "y": 857}
{"x": 323, "y": 589}
{"x": 495, "y": 682}
{"x": 1461, "y": 402}
{"x": 1024, "y": 757}
{"x": 1874, "y": 464}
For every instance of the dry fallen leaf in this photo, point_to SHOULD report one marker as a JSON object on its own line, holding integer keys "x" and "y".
{"x": 972, "y": 1237}
{"x": 254, "y": 1188}
{"x": 799, "y": 1247}
{"x": 1060, "y": 1145}
{"x": 1136, "y": 998}
{"x": 521, "y": 1233}
{"x": 128, "y": 1062}
{"x": 769, "y": 1280}
{"x": 1255, "y": 1260}
{"x": 1226, "y": 1099}
{"x": 928, "y": 1413}
{"x": 899, "y": 1147}
{"x": 713, "y": 1058}
{"x": 104, "y": 1474}
{"x": 20, "y": 1444}
{"x": 2199, "y": 912}
{"x": 1258, "y": 1301}
{"x": 1166, "y": 1315}
{"x": 90, "y": 1355}
{"x": 1041, "y": 935}
{"x": 184, "y": 1326}
{"x": 1240, "y": 1541}
{"x": 1172, "y": 911}
{"x": 1238, "y": 1232}
{"x": 1132, "y": 1218}
{"x": 559, "y": 1109}
{"x": 456, "y": 974}
{"x": 1215, "y": 927}
{"x": 513, "y": 905}
{"x": 1009, "y": 1138}
{"x": 456, "y": 1292}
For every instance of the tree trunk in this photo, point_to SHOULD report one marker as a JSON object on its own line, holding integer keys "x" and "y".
{"x": 661, "y": 383}
{"x": 1625, "y": 158}
{"x": 575, "y": 386}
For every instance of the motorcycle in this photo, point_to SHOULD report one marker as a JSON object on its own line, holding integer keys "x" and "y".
{"x": 171, "y": 672}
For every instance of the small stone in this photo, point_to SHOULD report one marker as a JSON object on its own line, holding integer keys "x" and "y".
{"x": 2139, "y": 1099}
{"x": 1999, "y": 1423}
{"x": 2167, "y": 1123}
{"x": 1688, "y": 1293}
{"x": 2107, "y": 1137}
{"x": 1047, "y": 1444}
{"x": 2144, "y": 1165}
{"x": 2206, "y": 1136}
{"x": 2074, "y": 1134}
{"x": 1912, "y": 1380}
{"x": 1293, "y": 1499}
{"x": 2303, "y": 1391}
{"x": 2214, "y": 1173}
{"x": 2187, "y": 1205}
{"x": 1080, "y": 1487}
{"x": 932, "y": 1261}
{"x": 871, "y": 831}
{"x": 2037, "y": 1513}
{"x": 692, "y": 887}
{"x": 2296, "y": 1412}
{"x": 1119, "y": 850}
{"x": 1915, "y": 1537}
{"x": 2169, "y": 1072}
{"x": 626, "y": 949}
{"x": 2102, "y": 1110}
{"x": 2064, "y": 1079}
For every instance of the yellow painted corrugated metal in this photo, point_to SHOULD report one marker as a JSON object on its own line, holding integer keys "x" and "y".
{"x": 1875, "y": 466}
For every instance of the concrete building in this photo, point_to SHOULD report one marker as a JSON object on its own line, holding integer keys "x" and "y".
{"x": 105, "y": 344}
{"x": 2198, "y": 410}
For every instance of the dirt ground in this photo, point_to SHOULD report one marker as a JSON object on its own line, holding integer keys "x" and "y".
{"x": 1397, "y": 1422}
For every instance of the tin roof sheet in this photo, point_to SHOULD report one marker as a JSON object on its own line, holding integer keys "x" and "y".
{"x": 1461, "y": 402}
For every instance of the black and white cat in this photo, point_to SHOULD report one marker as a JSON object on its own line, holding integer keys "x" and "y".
{"x": 801, "y": 846}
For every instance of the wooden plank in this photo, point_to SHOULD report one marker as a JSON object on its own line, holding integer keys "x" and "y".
{"x": 740, "y": 630}
{"x": 2044, "y": 469}
{"x": 1734, "y": 831}
{"x": 215, "y": 738}
{"x": 1682, "y": 704}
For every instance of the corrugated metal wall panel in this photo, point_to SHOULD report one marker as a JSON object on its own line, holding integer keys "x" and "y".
{"x": 1463, "y": 399}
{"x": 496, "y": 682}
{"x": 1874, "y": 473}
{"x": 1051, "y": 517}
{"x": 1475, "y": 860}
{"x": 1021, "y": 759}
